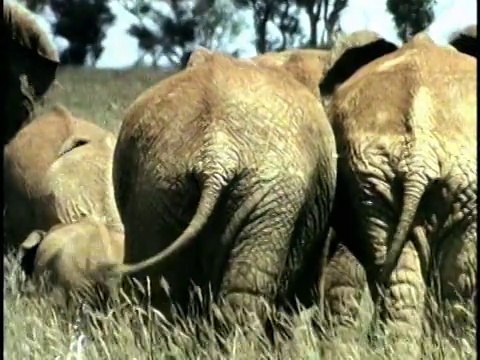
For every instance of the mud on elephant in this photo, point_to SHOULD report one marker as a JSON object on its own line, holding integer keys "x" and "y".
{"x": 405, "y": 125}
{"x": 224, "y": 176}
{"x": 32, "y": 62}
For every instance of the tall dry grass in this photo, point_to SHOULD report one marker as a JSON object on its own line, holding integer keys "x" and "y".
{"x": 36, "y": 328}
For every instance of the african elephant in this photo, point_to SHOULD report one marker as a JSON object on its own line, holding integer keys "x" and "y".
{"x": 27, "y": 159}
{"x": 79, "y": 182}
{"x": 224, "y": 176}
{"x": 344, "y": 278}
{"x": 405, "y": 127}
{"x": 32, "y": 62}
{"x": 341, "y": 286}
{"x": 70, "y": 253}
{"x": 465, "y": 40}
{"x": 305, "y": 65}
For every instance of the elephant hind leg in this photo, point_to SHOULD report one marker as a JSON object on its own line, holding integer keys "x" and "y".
{"x": 400, "y": 305}
{"x": 344, "y": 286}
{"x": 257, "y": 262}
{"x": 457, "y": 273}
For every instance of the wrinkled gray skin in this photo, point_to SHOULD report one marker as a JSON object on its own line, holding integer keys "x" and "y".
{"x": 406, "y": 174}
{"x": 70, "y": 254}
{"x": 32, "y": 62}
{"x": 27, "y": 159}
{"x": 231, "y": 190}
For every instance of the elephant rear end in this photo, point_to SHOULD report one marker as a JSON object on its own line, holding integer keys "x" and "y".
{"x": 260, "y": 147}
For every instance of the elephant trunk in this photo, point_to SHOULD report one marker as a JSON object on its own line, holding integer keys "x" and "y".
{"x": 211, "y": 193}
{"x": 414, "y": 187}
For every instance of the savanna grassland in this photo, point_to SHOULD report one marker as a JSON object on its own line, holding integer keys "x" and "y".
{"x": 35, "y": 328}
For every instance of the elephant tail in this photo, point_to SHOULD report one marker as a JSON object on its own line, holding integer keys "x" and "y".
{"x": 212, "y": 190}
{"x": 414, "y": 188}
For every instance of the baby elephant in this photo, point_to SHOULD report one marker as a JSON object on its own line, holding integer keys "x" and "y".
{"x": 71, "y": 254}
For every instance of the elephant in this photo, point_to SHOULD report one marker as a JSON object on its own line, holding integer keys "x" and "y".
{"x": 465, "y": 40}
{"x": 32, "y": 63}
{"x": 70, "y": 253}
{"x": 231, "y": 191}
{"x": 306, "y": 65}
{"x": 27, "y": 159}
{"x": 405, "y": 128}
{"x": 341, "y": 286}
{"x": 79, "y": 182}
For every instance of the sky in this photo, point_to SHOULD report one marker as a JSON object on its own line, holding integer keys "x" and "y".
{"x": 121, "y": 50}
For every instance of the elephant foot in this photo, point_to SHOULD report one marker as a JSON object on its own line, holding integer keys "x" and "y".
{"x": 342, "y": 307}
{"x": 245, "y": 312}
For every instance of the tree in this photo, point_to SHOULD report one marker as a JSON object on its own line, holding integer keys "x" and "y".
{"x": 82, "y": 23}
{"x": 281, "y": 13}
{"x": 285, "y": 17}
{"x": 220, "y": 22}
{"x": 317, "y": 8}
{"x": 164, "y": 28}
{"x": 411, "y": 16}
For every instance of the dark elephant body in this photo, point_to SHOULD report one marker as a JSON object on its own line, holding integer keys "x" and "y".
{"x": 240, "y": 163}
{"x": 32, "y": 63}
{"x": 405, "y": 125}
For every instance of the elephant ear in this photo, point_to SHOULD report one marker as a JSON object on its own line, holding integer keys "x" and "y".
{"x": 350, "y": 53}
{"x": 33, "y": 239}
{"x": 28, "y": 250}
{"x": 73, "y": 142}
{"x": 465, "y": 40}
{"x": 29, "y": 50}
{"x": 199, "y": 56}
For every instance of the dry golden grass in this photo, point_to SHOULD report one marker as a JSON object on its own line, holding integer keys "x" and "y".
{"x": 36, "y": 329}
{"x": 98, "y": 95}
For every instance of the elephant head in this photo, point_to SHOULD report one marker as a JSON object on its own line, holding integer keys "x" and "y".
{"x": 349, "y": 54}
{"x": 70, "y": 252}
{"x": 465, "y": 40}
{"x": 32, "y": 63}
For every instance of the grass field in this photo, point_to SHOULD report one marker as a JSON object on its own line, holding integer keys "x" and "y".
{"x": 35, "y": 329}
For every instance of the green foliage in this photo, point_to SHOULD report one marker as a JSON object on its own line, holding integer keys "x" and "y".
{"x": 83, "y": 24}
{"x": 219, "y": 25}
{"x": 411, "y": 16}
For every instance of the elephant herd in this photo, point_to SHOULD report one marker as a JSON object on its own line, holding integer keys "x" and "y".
{"x": 294, "y": 177}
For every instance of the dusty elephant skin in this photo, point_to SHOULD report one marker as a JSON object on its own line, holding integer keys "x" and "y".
{"x": 32, "y": 63}
{"x": 406, "y": 139}
{"x": 27, "y": 159}
{"x": 224, "y": 175}
{"x": 70, "y": 253}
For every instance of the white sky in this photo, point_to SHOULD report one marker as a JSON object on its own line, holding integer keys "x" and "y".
{"x": 121, "y": 50}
